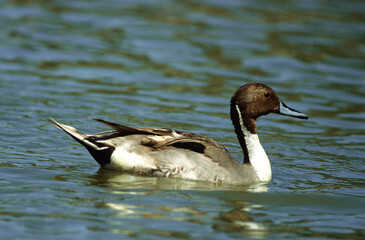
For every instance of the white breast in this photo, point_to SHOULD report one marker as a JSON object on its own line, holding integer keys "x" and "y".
{"x": 258, "y": 158}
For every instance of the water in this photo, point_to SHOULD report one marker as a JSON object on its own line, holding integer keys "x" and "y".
{"x": 176, "y": 64}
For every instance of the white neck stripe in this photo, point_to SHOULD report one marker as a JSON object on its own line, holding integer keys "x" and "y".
{"x": 243, "y": 128}
{"x": 256, "y": 153}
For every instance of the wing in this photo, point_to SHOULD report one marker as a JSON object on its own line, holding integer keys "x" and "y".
{"x": 201, "y": 145}
{"x": 167, "y": 138}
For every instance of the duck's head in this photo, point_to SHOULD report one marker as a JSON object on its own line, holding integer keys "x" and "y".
{"x": 254, "y": 100}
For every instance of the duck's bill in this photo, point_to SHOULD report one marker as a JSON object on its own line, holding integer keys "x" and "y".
{"x": 285, "y": 110}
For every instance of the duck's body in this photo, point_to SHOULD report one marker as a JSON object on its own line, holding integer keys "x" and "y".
{"x": 171, "y": 153}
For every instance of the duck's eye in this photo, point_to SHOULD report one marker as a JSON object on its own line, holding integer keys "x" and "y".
{"x": 267, "y": 95}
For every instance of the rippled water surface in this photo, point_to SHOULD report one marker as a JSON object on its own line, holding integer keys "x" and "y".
{"x": 175, "y": 64}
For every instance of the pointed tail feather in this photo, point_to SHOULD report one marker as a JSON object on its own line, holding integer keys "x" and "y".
{"x": 79, "y": 137}
{"x": 101, "y": 152}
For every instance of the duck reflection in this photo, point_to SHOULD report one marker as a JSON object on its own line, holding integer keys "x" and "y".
{"x": 149, "y": 198}
{"x": 241, "y": 219}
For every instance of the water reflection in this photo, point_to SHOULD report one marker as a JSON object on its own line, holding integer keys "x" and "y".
{"x": 187, "y": 204}
{"x": 240, "y": 219}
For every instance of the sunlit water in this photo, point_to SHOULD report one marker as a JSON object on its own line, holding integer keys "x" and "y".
{"x": 175, "y": 64}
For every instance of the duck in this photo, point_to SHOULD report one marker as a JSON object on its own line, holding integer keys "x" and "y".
{"x": 163, "y": 152}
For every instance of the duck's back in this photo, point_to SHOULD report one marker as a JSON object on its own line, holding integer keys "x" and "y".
{"x": 177, "y": 154}
{"x": 184, "y": 155}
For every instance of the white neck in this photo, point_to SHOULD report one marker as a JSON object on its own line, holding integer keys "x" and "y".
{"x": 256, "y": 153}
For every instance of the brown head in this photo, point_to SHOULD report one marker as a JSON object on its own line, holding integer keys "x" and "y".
{"x": 255, "y": 100}
{"x": 252, "y": 101}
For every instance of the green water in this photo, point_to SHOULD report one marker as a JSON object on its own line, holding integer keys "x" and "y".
{"x": 175, "y": 64}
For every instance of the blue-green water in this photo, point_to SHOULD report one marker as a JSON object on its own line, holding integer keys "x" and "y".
{"x": 175, "y": 64}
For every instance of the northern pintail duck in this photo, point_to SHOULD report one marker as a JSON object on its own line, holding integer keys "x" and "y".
{"x": 172, "y": 153}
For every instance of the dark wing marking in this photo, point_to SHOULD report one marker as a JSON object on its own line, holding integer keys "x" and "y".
{"x": 195, "y": 145}
{"x": 203, "y": 145}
